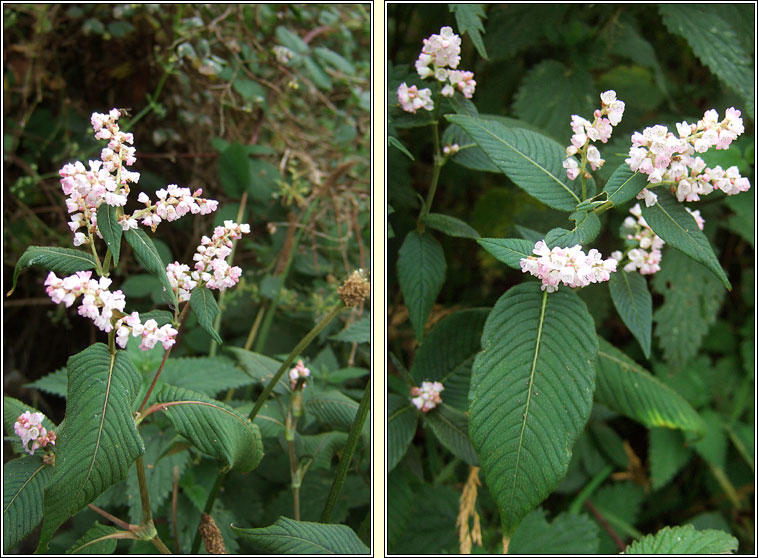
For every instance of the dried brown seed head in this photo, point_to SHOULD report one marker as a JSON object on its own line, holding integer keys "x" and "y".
{"x": 355, "y": 288}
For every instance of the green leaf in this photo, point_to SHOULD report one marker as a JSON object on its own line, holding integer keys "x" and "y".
{"x": 567, "y": 534}
{"x": 451, "y": 428}
{"x": 53, "y": 383}
{"x": 260, "y": 367}
{"x": 318, "y": 75}
{"x": 213, "y": 427}
{"x": 205, "y": 309}
{"x": 335, "y": 60}
{"x": 532, "y": 161}
{"x": 626, "y": 387}
{"x": 64, "y": 261}
{"x": 109, "y": 227}
{"x": 24, "y": 483}
{"x": 399, "y": 505}
{"x": 334, "y": 408}
{"x": 396, "y": 143}
{"x": 100, "y": 441}
{"x": 207, "y": 375}
{"x": 677, "y": 227}
{"x": 150, "y": 258}
{"x": 684, "y": 540}
{"x": 451, "y": 226}
{"x": 713, "y": 446}
{"x": 668, "y": 454}
{"x": 634, "y": 304}
{"x": 291, "y": 40}
{"x": 320, "y": 448}
{"x": 84, "y": 544}
{"x": 434, "y": 509}
{"x": 510, "y": 251}
{"x": 287, "y": 536}
{"x": 234, "y": 170}
{"x": 250, "y": 91}
{"x": 586, "y": 230}
{"x": 358, "y": 332}
{"x": 531, "y": 394}
{"x": 468, "y": 18}
{"x": 421, "y": 272}
{"x": 402, "y": 418}
{"x": 624, "y": 184}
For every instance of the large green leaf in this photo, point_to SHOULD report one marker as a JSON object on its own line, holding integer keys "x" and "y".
{"x": 670, "y": 220}
{"x": 532, "y": 161}
{"x": 421, "y": 273}
{"x": 626, "y": 387}
{"x": 86, "y": 545}
{"x": 510, "y": 251}
{"x": 634, "y": 304}
{"x": 24, "y": 483}
{"x": 287, "y": 536}
{"x": 567, "y": 534}
{"x": 148, "y": 255}
{"x": 468, "y": 18}
{"x": 684, "y": 540}
{"x": 100, "y": 441}
{"x": 260, "y": 367}
{"x": 109, "y": 227}
{"x": 586, "y": 229}
{"x": 667, "y": 453}
{"x": 531, "y": 394}
{"x": 402, "y": 418}
{"x": 451, "y": 226}
{"x": 205, "y": 309}
{"x": 624, "y": 184}
{"x": 333, "y": 408}
{"x": 451, "y": 428}
{"x": 207, "y": 375}
{"x": 213, "y": 427}
{"x": 64, "y": 261}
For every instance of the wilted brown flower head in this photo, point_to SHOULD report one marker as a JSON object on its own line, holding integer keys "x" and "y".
{"x": 355, "y": 288}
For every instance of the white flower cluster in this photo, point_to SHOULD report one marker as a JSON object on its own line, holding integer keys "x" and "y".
{"x": 600, "y": 129}
{"x": 427, "y": 397}
{"x": 299, "y": 371}
{"x": 283, "y": 54}
{"x": 29, "y": 428}
{"x": 173, "y": 202}
{"x": 666, "y": 158}
{"x": 570, "y": 266}
{"x": 149, "y": 332}
{"x": 439, "y": 57}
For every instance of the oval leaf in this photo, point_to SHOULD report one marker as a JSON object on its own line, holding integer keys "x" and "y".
{"x": 532, "y": 161}
{"x": 64, "y": 261}
{"x": 288, "y": 536}
{"x": 150, "y": 258}
{"x": 510, "y": 251}
{"x": 624, "y": 184}
{"x": 586, "y": 229}
{"x": 213, "y": 427}
{"x": 402, "y": 418}
{"x": 684, "y": 540}
{"x": 531, "y": 394}
{"x": 451, "y": 226}
{"x": 626, "y": 387}
{"x": 109, "y": 227}
{"x": 634, "y": 304}
{"x": 100, "y": 441}
{"x": 421, "y": 272}
{"x": 205, "y": 309}
{"x": 677, "y": 227}
{"x": 451, "y": 428}
{"x": 24, "y": 483}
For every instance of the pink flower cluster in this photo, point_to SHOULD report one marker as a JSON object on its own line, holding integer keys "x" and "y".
{"x": 149, "y": 332}
{"x": 439, "y": 57}
{"x": 98, "y": 303}
{"x": 666, "y": 158}
{"x": 173, "y": 202}
{"x": 299, "y": 371}
{"x": 427, "y": 397}
{"x": 29, "y": 428}
{"x": 606, "y": 117}
{"x": 570, "y": 266}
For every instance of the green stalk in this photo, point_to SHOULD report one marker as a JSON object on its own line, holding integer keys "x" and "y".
{"x": 347, "y": 454}
{"x": 587, "y": 491}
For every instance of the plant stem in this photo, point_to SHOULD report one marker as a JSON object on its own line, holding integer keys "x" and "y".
{"x": 254, "y": 328}
{"x": 147, "y": 514}
{"x": 111, "y": 518}
{"x": 158, "y": 543}
{"x": 576, "y": 505}
{"x": 294, "y": 474}
{"x": 208, "y": 506}
{"x": 347, "y": 455}
{"x": 439, "y": 162}
{"x": 605, "y": 525}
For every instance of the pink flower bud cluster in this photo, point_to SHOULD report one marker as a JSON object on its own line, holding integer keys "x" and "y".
{"x": 606, "y": 117}
{"x": 570, "y": 266}
{"x": 173, "y": 202}
{"x": 427, "y": 397}
{"x": 98, "y": 303}
{"x": 29, "y": 428}
{"x": 451, "y": 149}
{"x": 667, "y": 158}
{"x": 299, "y": 371}
{"x": 150, "y": 333}
{"x": 411, "y": 99}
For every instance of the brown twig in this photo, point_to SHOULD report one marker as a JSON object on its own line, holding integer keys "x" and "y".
{"x": 605, "y": 525}
{"x": 112, "y": 518}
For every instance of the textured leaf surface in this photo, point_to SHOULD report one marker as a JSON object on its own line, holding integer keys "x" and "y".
{"x": 150, "y": 258}
{"x": 567, "y": 534}
{"x": 433, "y": 514}
{"x": 107, "y": 224}
{"x": 53, "y": 383}
{"x": 213, "y": 427}
{"x": 320, "y": 448}
{"x": 634, "y": 304}
{"x": 510, "y": 251}
{"x": 672, "y": 223}
{"x": 399, "y": 505}
{"x": 626, "y": 387}
{"x": 402, "y": 418}
{"x": 668, "y": 454}
{"x": 531, "y": 394}
{"x": 451, "y": 428}
{"x": 624, "y": 184}
{"x": 63, "y": 261}
{"x": 585, "y": 231}
{"x": 260, "y": 367}
{"x": 451, "y": 226}
{"x": 207, "y": 375}
{"x": 24, "y": 483}
{"x": 334, "y": 408}
{"x": 84, "y": 544}
{"x": 421, "y": 273}
{"x": 100, "y": 441}
{"x": 468, "y": 18}
{"x": 287, "y": 536}
{"x": 358, "y": 332}
{"x": 532, "y": 161}
{"x": 684, "y": 540}
{"x": 205, "y": 309}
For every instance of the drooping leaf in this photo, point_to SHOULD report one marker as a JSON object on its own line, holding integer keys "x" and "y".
{"x": 213, "y": 427}
{"x": 24, "y": 483}
{"x": 634, "y": 304}
{"x": 402, "y": 418}
{"x": 63, "y": 261}
{"x": 531, "y": 394}
{"x": 85, "y": 544}
{"x": 205, "y": 309}
{"x": 451, "y": 226}
{"x": 148, "y": 255}
{"x": 668, "y": 454}
{"x": 287, "y": 536}
{"x": 532, "y": 161}
{"x": 421, "y": 273}
{"x": 677, "y": 227}
{"x": 624, "y": 184}
{"x": 358, "y": 332}
{"x": 567, "y": 534}
{"x": 510, "y": 251}
{"x": 100, "y": 441}
{"x": 586, "y": 230}
{"x": 469, "y": 19}
{"x": 626, "y": 387}
{"x": 109, "y": 227}
{"x": 684, "y": 540}
{"x": 451, "y": 428}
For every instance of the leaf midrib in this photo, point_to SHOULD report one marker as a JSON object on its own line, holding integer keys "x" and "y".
{"x": 23, "y": 486}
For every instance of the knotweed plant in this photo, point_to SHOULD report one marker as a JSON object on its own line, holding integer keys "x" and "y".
{"x": 520, "y": 378}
